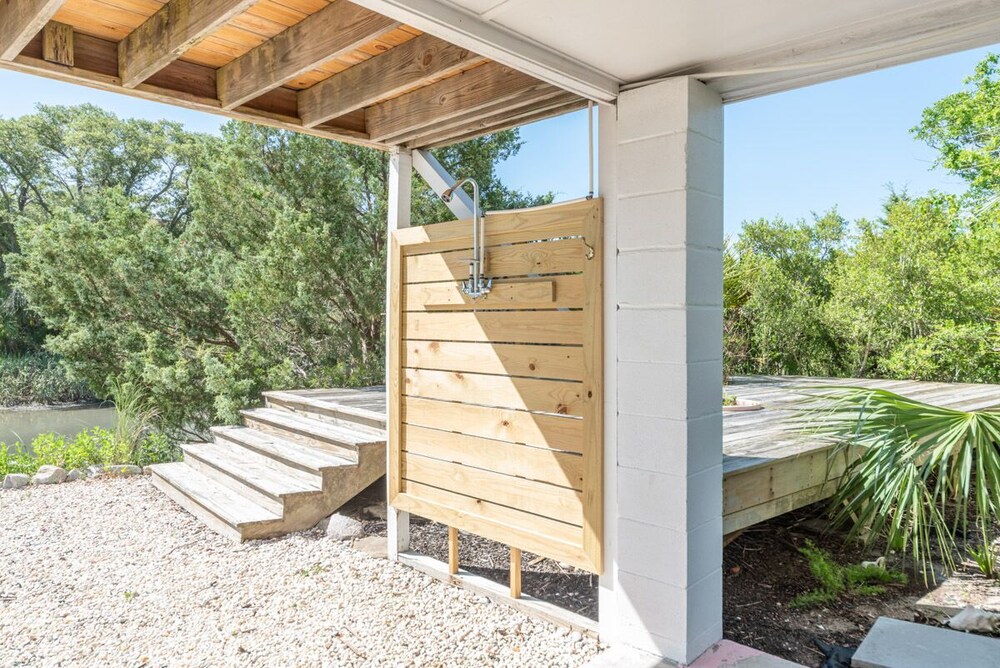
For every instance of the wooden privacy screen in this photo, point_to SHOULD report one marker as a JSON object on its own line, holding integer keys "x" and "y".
{"x": 495, "y": 422}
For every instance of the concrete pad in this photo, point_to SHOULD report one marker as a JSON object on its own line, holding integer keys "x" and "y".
{"x": 958, "y": 591}
{"x": 723, "y": 654}
{"x": 892, "y": 643}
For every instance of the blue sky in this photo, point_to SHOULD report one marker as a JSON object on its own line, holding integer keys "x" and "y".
{"x": 835, "y": 144}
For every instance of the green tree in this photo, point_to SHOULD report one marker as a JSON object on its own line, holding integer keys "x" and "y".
{"x": 63, "y": 157}
{"x": 916, "y": 296}
{"x": 779, "y": 281}
{"x": 275, "y": 279}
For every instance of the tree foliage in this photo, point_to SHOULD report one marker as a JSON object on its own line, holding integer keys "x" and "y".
{"x": 207, "y": 269}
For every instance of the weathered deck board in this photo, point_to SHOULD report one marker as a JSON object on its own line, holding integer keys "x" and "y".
{"x": 770, "y": 467}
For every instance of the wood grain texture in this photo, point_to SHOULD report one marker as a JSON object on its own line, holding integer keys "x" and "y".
{"x": 20, "y": 21}
{"x": 503, "y": 406}
{"x": 172, "y": 30}
{"x": 472, "y": 90}
{"x": 57, "y": 43}
{"x": 335, "y": 30}
{"x": 388, "y": 75}
{"x": 536, "y": 361}
{"x": 558, "y": 293}
{"x": 558, "y": 468}
{"x": 538, "y": 430}
{"x": 559, "y": 397}
{"x": 558, "y": 503}
{"x": 555, "y": 327}
{"x": 563, "y": 256}
{"x": 181, "y": 83}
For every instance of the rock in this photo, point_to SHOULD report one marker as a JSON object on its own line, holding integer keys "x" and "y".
{"x": 76, "y": 474}
{"x": 341, "y": 527}
{"x": 377, "y": 511}
{"x": 974, "y": 619}
{"x": 147, "y": 470}
{"x": 122, "y": 470}
{"x": 15, "y": 481}
{"x": 374, "y": 546}
{"x": 49, "y": 475}
{"x": 96, "y": 469}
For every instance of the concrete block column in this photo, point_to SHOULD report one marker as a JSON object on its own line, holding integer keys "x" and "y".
{"x": 662, "y": 179}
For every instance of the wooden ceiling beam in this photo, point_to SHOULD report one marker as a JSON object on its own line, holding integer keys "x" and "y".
{"x": 505, "y": 124}
{"x": 181, "y": 84}
{"x": 471, "y": 91}
{"x": 332, "y": 32}
{"x": 387, "y": 75}
{"x": 499, "y": 119}
{"x": 20, "y": 21}
{"x": 171, "y": 31}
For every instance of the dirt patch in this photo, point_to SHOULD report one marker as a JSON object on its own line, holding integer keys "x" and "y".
{"x": 763, "y": 572}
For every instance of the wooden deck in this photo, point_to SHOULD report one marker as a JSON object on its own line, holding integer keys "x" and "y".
{"x": 770, "y": 468}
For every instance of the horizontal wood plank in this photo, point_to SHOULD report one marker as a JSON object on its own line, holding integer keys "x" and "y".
{"x": 423, "y": 502}
{"x": 564, "y": 256}
{"x": 20, "y": 21}
{"x": 530, "y": 394}
{"x": 556, "y": 327}
{"x": 560, "y": 362}
{"x": 502, "y": 227}
{"x": 543, "y": 431}
{"x": 564, "y": 469}
{"x": 558, "y": 503}
{"x": 526, "y": 293}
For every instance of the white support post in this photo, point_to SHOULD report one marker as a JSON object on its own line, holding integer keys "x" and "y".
{"x": 662, "y": 177}
{"x": 400, "y": 185}
{"x": 438, "y": 178}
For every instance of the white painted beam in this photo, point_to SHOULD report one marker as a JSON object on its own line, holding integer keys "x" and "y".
{"x": 439, "y": 180}
{"x": 496, "y": 43}
{"x": 400, "y": 196}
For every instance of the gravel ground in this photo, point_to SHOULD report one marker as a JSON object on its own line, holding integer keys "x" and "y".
{"x": 110, "y": 572}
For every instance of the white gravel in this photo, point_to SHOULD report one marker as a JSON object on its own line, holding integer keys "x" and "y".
{"x": 110, "y": 572}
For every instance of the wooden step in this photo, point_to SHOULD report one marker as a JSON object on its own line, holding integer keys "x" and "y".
{"x": 290, "y": 453}
{"x": 265, "y": 481}
{"x": 222, "y": 509}
{"x": 325, "y": 407}
{"x": 341, "y": 440}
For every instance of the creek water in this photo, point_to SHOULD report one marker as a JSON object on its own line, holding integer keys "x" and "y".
{"x": 25, "y": 423}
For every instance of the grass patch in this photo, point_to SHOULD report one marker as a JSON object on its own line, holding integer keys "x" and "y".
{"x": 836, "y": 580}
{"x": 38, "y": 379}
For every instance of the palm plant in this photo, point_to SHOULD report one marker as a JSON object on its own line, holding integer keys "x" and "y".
{"x": 916, "y": 474}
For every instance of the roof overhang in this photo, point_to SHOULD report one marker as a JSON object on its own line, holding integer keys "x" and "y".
{"x": 423, "y": 73}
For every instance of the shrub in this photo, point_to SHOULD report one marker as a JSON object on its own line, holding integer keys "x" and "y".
{"x": 38, "y": 379}
{"x": 94, "y": 446}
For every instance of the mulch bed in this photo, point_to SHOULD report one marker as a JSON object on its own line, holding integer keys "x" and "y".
{"x": 762, "y": 570}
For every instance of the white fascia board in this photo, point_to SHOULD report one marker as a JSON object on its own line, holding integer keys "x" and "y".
{"x": 497, "y": 43}
{"x": 439, "y": 180}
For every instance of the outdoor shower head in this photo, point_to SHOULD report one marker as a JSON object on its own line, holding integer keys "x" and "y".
{"x": 448, "y": 194}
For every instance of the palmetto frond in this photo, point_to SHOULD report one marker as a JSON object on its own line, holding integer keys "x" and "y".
{"x": 916, "y": 473}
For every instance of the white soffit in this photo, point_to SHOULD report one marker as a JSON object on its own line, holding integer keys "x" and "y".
{"x": 743, "y": 48}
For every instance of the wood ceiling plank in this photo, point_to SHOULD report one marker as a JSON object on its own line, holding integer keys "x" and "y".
{"x": 386, "y": 75}
{"x": 332, "y": 32}
{"x": 20, "y": 21}
{"x": 171, "y": 31}
{"x": 479, "y": 88}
